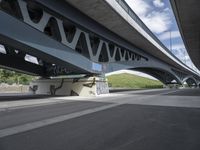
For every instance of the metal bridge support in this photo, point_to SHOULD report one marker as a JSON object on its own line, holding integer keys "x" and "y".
{"x": 191, "y": 82}
{"x": 87, "y": 86}
{"x": 192, "y": 85}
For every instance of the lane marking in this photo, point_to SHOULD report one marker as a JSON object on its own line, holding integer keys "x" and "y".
{"x": 38, "y": 124}
{"x": 32, "y": 105}
{"x": 56, "y": 100}
{"x": 45, "y": 122}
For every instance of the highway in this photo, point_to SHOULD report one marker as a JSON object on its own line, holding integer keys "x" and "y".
{"x": 163, "y": 119}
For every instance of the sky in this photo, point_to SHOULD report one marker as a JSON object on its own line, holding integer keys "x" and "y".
{"x": 159, "y": 18}
{"x": 131, "y": 72}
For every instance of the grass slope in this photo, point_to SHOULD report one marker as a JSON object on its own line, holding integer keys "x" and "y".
{"x": 132, "y": 81}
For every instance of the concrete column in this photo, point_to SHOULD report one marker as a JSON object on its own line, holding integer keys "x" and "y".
{"x": 87, "y": 86}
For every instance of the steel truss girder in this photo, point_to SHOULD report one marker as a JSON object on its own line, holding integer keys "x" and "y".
{"x": 124, "y": 55}
{"x": 37, "y": 44}
{"x": 102, "y": 47}
{"x": 87, "y": 24}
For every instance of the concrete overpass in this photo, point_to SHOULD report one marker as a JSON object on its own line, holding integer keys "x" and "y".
{"x": 82, "y": 37}
{"x": 188, "y": 19}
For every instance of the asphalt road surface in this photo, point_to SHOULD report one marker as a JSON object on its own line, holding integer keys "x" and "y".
{"x": 132, "y": 120}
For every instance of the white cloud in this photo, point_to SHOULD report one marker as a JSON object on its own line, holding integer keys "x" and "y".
{"x": 167, "y": 34}
{"x": 157, "y": 21}
{"x": 180, "y": 52}
{"x": 140, "y": 7}
{"x": 178, "y": 46}
{"x": 158, "y": 3}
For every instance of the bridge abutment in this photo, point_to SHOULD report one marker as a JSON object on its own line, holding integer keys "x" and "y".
{"x": 87, "y": 86}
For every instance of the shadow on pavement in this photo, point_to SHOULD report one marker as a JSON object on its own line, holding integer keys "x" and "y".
{"x": 123, "y": 90}
{"x": 16, "y": 97}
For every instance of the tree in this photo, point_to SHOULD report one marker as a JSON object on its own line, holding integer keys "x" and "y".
{"x": 10, "y": 77}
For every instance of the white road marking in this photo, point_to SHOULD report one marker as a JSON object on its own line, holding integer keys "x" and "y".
{"x": 45, "y": 122}
{"x": 38, "y": 124}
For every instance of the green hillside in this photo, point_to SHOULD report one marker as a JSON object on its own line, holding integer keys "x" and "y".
{"x": 132, "y": 81}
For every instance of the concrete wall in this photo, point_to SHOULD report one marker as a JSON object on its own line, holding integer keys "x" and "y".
{"x": 91, "y": 86}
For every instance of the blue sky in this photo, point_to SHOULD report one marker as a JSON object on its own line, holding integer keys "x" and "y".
{"x": 159, "y": 18}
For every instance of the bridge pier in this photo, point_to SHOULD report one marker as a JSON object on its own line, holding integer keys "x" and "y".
{"x": 87, "y": 86}
{"x": 172, "y": 86}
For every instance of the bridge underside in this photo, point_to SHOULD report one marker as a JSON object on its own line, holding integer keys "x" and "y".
{"x": 162, "y": 75}
{"x": 63, "y": 47}
{"x": 188, "y": 18}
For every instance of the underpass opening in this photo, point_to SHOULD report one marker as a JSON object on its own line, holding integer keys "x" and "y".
{"x": 130, "y": 79}
{"x": 191, "y": 82}
{"x": 12, "y": 82}
{"x": 162, "y": 75}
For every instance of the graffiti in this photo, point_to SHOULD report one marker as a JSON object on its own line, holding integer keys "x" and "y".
{"x": 57, "y": 70}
